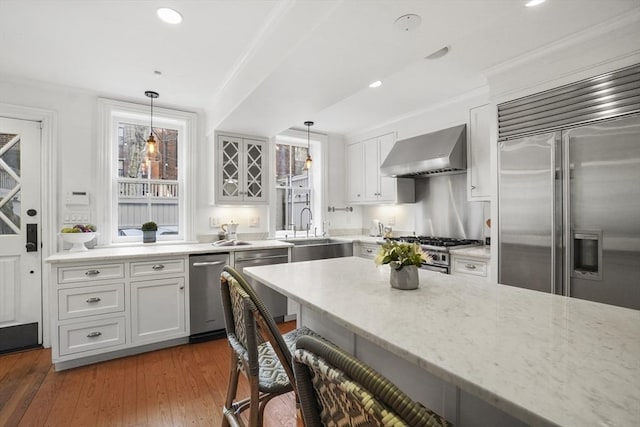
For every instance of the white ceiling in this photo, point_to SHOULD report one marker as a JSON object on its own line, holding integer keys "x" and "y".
{"x": 261, "y": 66}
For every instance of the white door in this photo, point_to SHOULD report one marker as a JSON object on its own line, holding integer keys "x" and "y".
{"x": 20, "y": 230}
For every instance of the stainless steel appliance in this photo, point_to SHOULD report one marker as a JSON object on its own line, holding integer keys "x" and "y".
{"x": 205, "y": 304}
{"x": 438, "y": 249}
{"x": 438, "y": 152}
{"x": 570, "y": 212}
{"x": 275, "y": 302}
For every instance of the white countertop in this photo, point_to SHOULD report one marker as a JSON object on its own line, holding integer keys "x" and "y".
{"x": 542, "y": 358}
{"x": 168, "y": 249}
{"x": 159, "y": 249}
{"x": 483, "y": 252}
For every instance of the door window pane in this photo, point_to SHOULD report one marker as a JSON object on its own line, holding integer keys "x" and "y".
{"x": 10, "y": 184}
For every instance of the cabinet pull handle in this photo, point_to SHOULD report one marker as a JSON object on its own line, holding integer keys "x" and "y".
{"x": 473, "y": 187}
{"x": 94, "y": 334}
{"x": 93, "y": 299}
{"x": 158, "y": 266}
{"x": 470, "y": 266}
{"x": 92, "y": 272}
{"x": 181, "y": 287}
{"x": 369, "y": 251}
{"x": 357, "y": 195}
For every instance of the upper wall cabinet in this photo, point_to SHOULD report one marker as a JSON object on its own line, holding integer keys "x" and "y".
{"x": 241, "y": 170}
{"x": 478, "y": 153}
{"x": 365, "y": 185}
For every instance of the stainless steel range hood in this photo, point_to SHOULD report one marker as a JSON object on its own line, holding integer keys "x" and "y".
{"x": 444, "y": 151}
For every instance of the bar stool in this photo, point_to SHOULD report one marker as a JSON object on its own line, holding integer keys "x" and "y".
{"x": 258, "y": 349}
{"x": 335, "y": 388}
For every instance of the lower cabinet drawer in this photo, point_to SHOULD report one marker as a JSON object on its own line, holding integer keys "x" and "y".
{"x": 90, "y": 300}
{"x": 90, "y": 273}
{"x": 155, "y": 268}
{"x": 469, "y": 266}
{"x": 368, "y": 250}
{"x": 86, "y": 336}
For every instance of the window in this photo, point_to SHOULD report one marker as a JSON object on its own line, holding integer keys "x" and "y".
{"x": 299, "y": 195}
{"x": 143, "y": 185}
{"x": 293, "y": 188}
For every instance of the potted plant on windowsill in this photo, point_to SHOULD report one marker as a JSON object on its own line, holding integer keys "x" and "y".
{"x": 149, "y": 232}
{"x": 404, "y": 260}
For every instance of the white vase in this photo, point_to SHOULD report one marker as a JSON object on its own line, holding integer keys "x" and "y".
{"x": 405, "y": 278}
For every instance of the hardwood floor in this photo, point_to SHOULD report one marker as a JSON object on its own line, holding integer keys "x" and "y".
{"x": 178, "y": 386}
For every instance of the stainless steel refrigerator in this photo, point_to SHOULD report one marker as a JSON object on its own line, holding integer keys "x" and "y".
{"x": 569, "y": 212}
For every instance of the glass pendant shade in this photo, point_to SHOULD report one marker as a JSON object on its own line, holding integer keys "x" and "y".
{"x": 307, "y": 162}
{"x": 151, "y": 141}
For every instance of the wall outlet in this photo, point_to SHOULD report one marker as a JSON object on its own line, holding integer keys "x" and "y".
{"x": 391, "y": 220}
{"x": 254, "y": 221}
{"x": 214, "y": 222}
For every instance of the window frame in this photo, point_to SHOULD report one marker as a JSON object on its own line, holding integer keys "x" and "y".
{"x": 110, "y": 113}
{"x": 318, "y": 148}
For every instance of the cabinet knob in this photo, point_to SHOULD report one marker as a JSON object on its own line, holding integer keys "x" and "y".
{"x": 181, "y": 287}
{"x": 93, "y": 299}
{"x": 473, "y": 187}
{"x": 357, "y": 195}
{"x": 94, "y": 334}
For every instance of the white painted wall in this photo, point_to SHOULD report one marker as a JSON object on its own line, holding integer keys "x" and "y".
{"x": 76, "y": 162}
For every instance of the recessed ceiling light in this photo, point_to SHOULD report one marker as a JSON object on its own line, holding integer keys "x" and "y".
{"x": 408, "y": 22}
{"x": 532, "y": 3}
{"x": 169, "y": 16}
{"x": 438, "y": 53}
{"x": 377, "y": 83}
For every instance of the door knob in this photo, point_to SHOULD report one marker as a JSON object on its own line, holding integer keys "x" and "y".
{"x": 31, "y": 247}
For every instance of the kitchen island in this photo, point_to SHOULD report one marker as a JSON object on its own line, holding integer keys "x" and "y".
{"x": 478, "y": 353}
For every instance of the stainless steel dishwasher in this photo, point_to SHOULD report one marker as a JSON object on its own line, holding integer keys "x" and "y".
{"x": 275, "y": 301}
{"x": 205, "y": 303}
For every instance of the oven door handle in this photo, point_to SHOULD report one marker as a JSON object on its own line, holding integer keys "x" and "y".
{"x": 437, "y": 268}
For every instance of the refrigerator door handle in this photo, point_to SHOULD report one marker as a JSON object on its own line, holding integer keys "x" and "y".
{"x": 557, "y": 170}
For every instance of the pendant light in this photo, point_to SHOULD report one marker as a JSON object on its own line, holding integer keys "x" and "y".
{"x": 307, "y": 163}
{"x": 151, "y": 141}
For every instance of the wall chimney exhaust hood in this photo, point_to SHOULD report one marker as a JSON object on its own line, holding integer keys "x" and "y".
{"x": 444, "y": 151}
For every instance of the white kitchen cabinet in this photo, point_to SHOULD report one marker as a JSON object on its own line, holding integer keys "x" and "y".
{"x": 355, "y": 175}
{"x": 365, "y": 184}
{"x": 478, "y": 153}
{"x": 468, "y": 265}
{"x": 366, "y": 250}
{"x": 157, "y": 309}
{"x": 98, "y": 308}
{"x": 241, "y": 170}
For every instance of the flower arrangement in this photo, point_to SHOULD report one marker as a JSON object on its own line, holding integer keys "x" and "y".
{"x": 400, "y": 254}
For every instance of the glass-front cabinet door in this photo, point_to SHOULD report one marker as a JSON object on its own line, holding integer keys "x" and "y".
{"x": 241, "y": 170}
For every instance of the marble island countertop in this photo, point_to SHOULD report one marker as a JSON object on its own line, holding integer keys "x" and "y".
{"x": 545, "y": 359}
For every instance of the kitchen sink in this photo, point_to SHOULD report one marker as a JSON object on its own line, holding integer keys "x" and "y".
{"x": 323, "y": 248}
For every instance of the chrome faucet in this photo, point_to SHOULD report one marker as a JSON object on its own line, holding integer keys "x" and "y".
{"x": 306, "y": 208}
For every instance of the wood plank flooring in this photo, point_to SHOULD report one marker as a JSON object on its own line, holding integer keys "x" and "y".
{"x": 178, "y": 386}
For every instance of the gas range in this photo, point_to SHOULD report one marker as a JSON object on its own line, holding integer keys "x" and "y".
{"x": 438, "y": 249}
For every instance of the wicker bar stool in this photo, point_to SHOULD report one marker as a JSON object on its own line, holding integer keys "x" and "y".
{"x": 258, "y": 349}
{"x": 336, "y": 389}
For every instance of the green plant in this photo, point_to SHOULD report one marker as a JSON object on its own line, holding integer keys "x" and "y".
{"x": 150, "y": 226}
{"x": 400, "y": 254}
